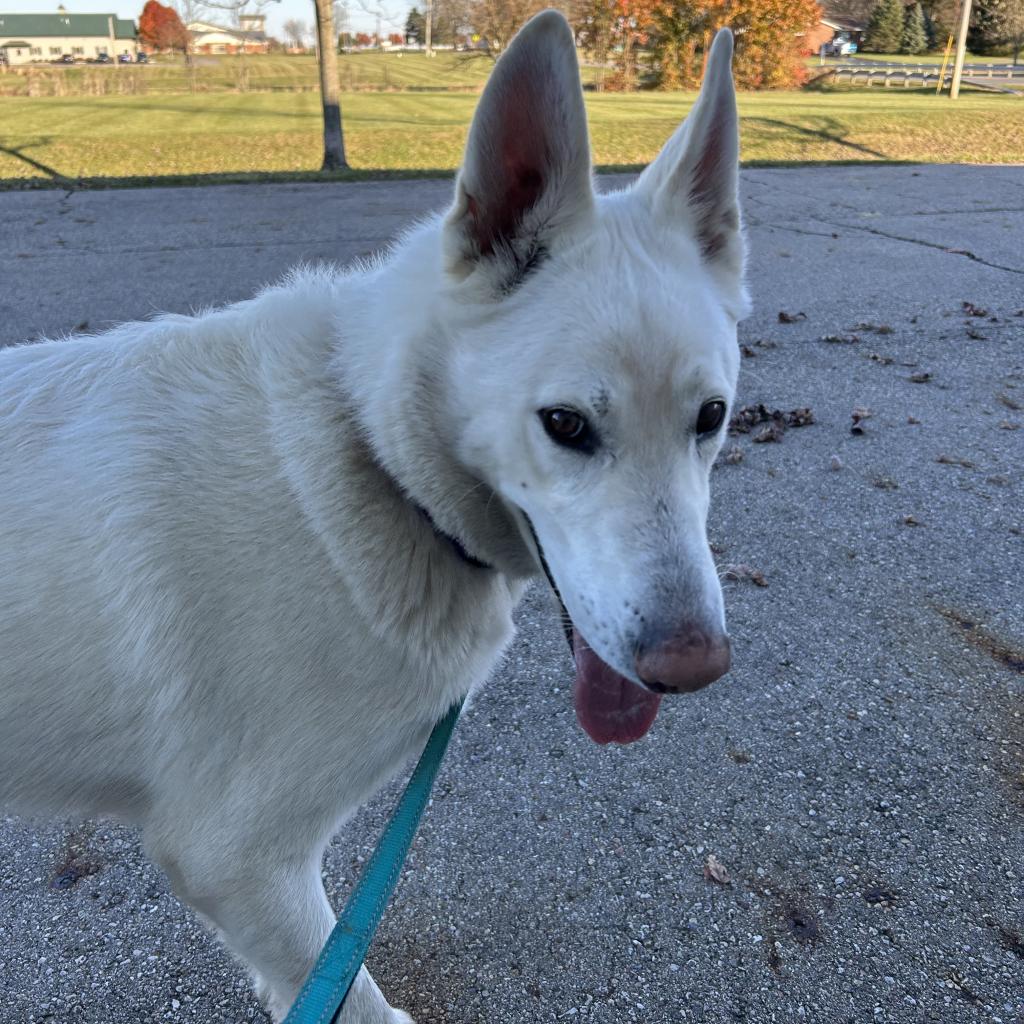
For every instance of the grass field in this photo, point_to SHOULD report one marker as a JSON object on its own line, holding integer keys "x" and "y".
{"x": 158, "y": 136}
{"x": 356, "y": 72}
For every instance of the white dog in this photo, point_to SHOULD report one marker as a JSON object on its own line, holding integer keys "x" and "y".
{"x": 249, "y": 558}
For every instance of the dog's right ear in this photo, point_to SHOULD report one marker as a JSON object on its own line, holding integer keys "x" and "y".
{"x": 525, "y": 178}
{"x": 694, "y": 182}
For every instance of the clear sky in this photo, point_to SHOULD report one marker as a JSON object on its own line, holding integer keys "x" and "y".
{"x": 362, "y": 14}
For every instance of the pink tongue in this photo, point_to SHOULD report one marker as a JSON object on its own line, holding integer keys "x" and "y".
{"x": 611, "y": 708}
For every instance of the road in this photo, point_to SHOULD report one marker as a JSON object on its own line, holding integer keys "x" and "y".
{"x": 860, "y": 773}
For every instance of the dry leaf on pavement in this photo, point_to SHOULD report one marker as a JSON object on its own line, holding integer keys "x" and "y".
{"x": 741, "y": 571}
{"x": 715, "y": 871}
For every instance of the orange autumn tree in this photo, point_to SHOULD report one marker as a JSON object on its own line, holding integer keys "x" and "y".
{"x": 662, "y": 42}
{"x": 682, "y": 32}
{"x": 770, "y": 42}
{"x": 160, "y": 28}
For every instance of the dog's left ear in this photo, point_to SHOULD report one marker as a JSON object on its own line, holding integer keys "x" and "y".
{"x": 525, "y": 179}
{"x": 695, "y": 179}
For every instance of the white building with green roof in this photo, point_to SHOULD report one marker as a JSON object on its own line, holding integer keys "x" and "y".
{"x": 35, "y": 38}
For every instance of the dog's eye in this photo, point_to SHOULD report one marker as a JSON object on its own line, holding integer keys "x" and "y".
{"x": 710, "y": 417}
{"x": 568, "y": 428}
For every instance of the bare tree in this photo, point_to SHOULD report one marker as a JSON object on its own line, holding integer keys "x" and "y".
{"x": 497, "y": 21}
{"x": 330, "y": 94}
{"x": 341, "y": 18}
{"x": 327, "y": 52}
{"x": 189, "y": 11}
{"x": 393, "y": 20}
{"x": 296, "y": 32}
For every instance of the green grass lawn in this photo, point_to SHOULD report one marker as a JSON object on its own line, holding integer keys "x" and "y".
{"x": 356, "y": 72}
{"x": 159, "y": 136}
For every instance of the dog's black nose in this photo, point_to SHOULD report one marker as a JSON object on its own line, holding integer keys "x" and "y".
{"x": 688, "y": 660}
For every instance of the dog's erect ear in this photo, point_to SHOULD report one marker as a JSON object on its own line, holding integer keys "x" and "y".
{"x": 695, "y": 178}
{"x": 525, "y": 178}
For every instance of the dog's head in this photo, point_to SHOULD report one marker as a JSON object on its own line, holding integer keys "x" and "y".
{"x": 594, "y": 362}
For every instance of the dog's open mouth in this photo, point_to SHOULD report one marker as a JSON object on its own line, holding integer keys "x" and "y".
{"x": 610, "y": 707}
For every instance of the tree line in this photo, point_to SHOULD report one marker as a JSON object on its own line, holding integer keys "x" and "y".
{"x": 894, "y": 26}
{"x": 644, "y": 43}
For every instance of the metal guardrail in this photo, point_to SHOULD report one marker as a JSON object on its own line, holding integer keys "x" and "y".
{"x": 917, "y": 75}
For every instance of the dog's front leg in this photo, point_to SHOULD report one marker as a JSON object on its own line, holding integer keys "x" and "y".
{"x": 276, "y": 920}
{"x": 367, "y": 1005}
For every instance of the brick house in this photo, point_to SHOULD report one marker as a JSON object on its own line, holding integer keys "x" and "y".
{"x": 249, "y": 37}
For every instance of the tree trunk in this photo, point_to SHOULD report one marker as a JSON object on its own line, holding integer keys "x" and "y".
{"x": 327, "y": 43}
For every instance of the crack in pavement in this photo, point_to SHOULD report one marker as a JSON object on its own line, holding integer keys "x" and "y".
{"x": 166, "y": 249}
{"x": 957, "y": 213}
{"x": 795, "y": 230}
{"x": 966, "y": 253}
{"x": 774, "y": 186}
{"x": 750, "y": 221}
{"x": 805, "y": 195}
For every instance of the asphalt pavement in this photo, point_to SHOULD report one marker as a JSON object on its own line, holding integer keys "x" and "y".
{"x": 858, "y": 778}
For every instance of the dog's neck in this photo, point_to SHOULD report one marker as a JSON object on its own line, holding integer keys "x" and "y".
{"x": 395, "y": 385}
{"x": 453, "y": 542}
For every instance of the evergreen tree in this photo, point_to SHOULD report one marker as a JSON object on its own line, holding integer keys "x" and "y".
{"x": 931, "y": 32}
{"x": 885, "y": 30}
{"x": 942, "y": 16}
{"x": 997, "y": 25}
{"x": 415, "y": 26}
{"x": 915, "y": 32}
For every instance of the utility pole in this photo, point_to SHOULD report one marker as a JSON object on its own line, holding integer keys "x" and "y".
{"x": 961, "y": 49}
{"x": 428, "y": 25}
{"x": 330, "y": 94}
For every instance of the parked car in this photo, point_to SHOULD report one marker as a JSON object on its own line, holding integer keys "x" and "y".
{"x": 841, "y": 46}
{"x": 103, "y": 58}
{"x": 66, "y": 58}
{"x": 142, "y": 58}
{"x": 124, "y": 58}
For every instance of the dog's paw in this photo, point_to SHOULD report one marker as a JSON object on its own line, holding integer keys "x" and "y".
{"x": 400, "y": 1017}
{"x": 277, "y": 1008}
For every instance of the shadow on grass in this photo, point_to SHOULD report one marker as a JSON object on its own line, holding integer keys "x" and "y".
{"x": 53, "y": 176}
{"x": 828, "y": 131}
{"x": 56, "y": 181}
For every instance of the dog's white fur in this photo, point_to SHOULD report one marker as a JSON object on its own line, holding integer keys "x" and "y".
{"x": 223, "y": 613}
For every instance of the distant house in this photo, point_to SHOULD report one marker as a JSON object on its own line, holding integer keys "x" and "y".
{"x": 25, "y": 38}
{"x": 832, "y": 24}
{"x": 249, "y": 37}
{"x": 839, "y": 18}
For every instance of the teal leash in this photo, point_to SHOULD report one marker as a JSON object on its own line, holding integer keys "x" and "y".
{"x": 327, "y": 987}
{"x": 328, "y": 984}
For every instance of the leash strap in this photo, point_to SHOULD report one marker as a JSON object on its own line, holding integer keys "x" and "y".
{"x": 328, "y": 984}
{"x": 563, "y": 614}
{"x": 327, "y": 987}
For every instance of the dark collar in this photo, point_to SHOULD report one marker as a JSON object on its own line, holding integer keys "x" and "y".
{"x": 454, "y": 542}
{"x": 459, "y": 549}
